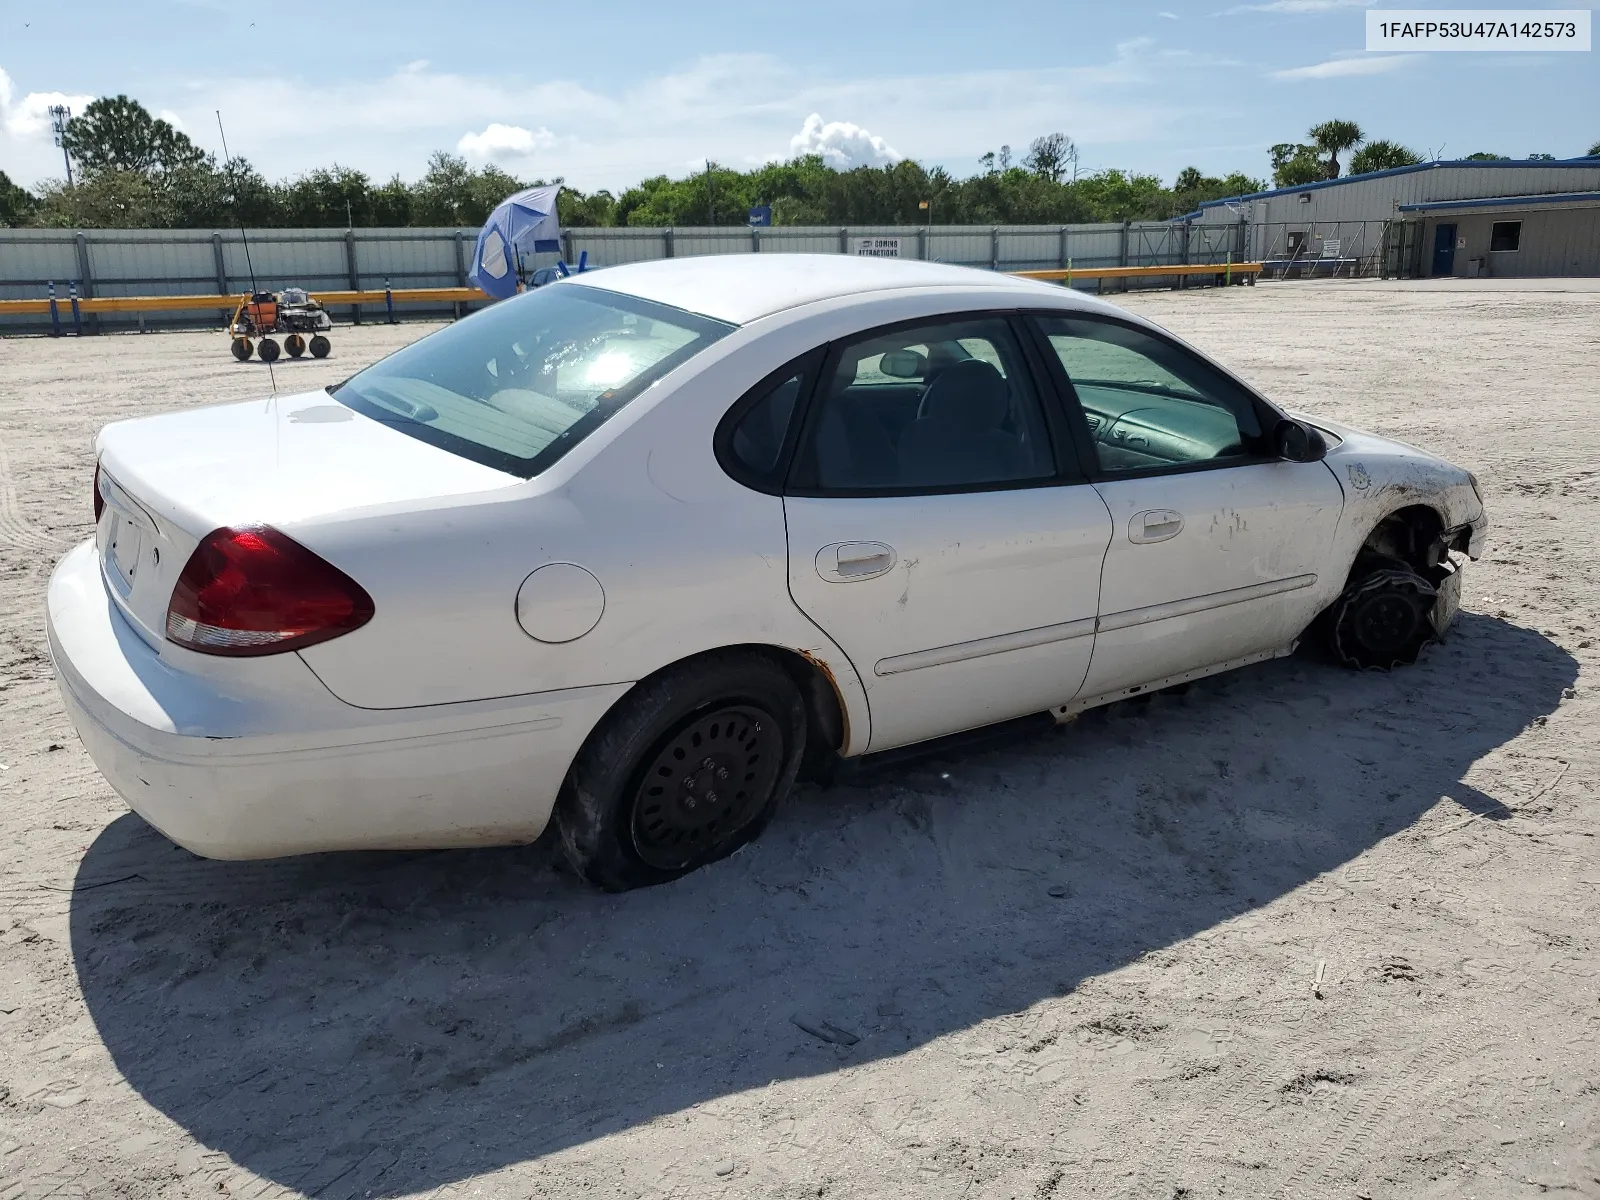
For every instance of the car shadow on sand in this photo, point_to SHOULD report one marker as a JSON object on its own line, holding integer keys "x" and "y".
{"x": 385, "y": 1023}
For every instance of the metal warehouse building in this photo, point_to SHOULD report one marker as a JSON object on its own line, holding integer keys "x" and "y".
{"x": 1462, "y": 219}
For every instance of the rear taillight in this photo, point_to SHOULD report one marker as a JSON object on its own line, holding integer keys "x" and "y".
{"x": 99, "y": 500}
{"x": 256, "y": 591}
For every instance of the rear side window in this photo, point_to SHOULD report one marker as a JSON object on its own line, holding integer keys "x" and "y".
{"x": 518, "y": 385}
{"x": 944, "y": 406}
{"x": 755, "y": 434}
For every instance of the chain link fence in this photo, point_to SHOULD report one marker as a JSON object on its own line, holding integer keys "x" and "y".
{"x": 1321, "y": 250}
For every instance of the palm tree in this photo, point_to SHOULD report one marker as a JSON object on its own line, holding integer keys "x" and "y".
{"x": 1332, "y": 137}
{"x": 1382, "y": 155}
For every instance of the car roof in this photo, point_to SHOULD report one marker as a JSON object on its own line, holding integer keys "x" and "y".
{"x": 740, "y": 288}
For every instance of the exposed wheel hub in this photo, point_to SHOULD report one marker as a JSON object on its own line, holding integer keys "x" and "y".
{"x": 1383, "y": 620}
{"x": 706, "y": 781}
{"x": 1389, "y": 621}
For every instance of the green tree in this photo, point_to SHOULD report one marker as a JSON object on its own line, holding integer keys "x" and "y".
{"x": 1192, "y": 189}
{"x": 1295, "y": 164}
{"x": 1382, "y": 156}
{"x": 17, "y": 205}
{"x": 328, "y": 197}
{"x": 1333, "y": 138}
{"x": 1594, "y": 150}
{"x": 452, "y": 193}
{"x": 1541, "y": 158}
{"x": 1049, "y": 156}
{"x": 1485, "y": 156}
{"x": 105, "y": 199}
{"x": 578, "y": 209}
{"x": 115, "y": 133}
{"x": 391, "y": 204}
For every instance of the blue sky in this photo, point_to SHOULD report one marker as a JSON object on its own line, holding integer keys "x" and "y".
{"x": 612, "y": 93}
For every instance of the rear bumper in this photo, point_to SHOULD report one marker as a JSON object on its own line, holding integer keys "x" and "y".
{"x": 254, "y": 758}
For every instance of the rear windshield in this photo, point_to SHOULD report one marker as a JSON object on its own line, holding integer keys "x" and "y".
{"x": 519, "y": 384}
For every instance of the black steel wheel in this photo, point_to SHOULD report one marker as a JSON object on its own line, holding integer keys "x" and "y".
{"x": 295, "y": 345}
{"x": 242, "y": 349}
{"x": 320, "y": 346}
{"x": 704, "y": 783}
{"x": 268, "y": 350}
{"x": 1383, "y": 620}
{"x": 686, "y": 768}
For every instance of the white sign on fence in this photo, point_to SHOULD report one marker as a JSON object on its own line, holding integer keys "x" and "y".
{"x": 875, "y": 247}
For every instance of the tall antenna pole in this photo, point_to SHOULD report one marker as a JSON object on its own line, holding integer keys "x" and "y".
{"x": 250, "y": 266}
{"x": 60, "y": 114}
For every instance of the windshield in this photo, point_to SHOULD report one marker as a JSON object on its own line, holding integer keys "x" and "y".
{"x": 519, "y": 384}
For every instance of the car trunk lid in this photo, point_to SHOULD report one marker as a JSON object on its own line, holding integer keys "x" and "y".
{"x": 169, "y": 480}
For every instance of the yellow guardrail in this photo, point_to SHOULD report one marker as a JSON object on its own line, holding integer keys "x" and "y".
{"x": 471, "y": 295}
{"x": 226, "y": 304}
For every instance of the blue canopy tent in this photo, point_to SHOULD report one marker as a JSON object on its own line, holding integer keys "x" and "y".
{"x": 523, "y": 223}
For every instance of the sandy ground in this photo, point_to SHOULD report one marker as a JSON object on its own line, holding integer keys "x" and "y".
{"x": 1081, "y": 965}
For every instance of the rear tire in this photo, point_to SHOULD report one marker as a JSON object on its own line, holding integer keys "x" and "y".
{"x": 320, "y": 346}
{"x": 295, "y": 345}
{"x": 687, "y": 768}
{"x": 268, "y": 350}
{"x": 242, "y": 349}
{"x": 1383, "y": 619}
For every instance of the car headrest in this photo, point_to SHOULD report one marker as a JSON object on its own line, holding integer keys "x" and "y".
{"x": 971, "y": 394}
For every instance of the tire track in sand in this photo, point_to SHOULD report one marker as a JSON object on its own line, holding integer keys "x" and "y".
{"x": 16, "y": 529}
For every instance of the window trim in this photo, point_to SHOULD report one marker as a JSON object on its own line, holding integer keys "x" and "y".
{"x": 1062, "y": 443}
{"x": 1517, "y": 249}
{"x": 1268, "y": 413}
{"x": 806, "y": 366}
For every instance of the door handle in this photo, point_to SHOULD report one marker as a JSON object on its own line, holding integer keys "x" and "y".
{"x": 844, "y": 562}
{"x": 1154, "y": 525}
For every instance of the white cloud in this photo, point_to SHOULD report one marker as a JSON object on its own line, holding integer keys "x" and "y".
{"x": 505, "y": 141}
{"x": 842, "y": 144}
{"x": 172, "y": 118}
{"x": 1171, "y": 16}
{"x": 1299, "y": 6}
{"x": 732, "y": 108}
{"x": 1340, "y": 68}
{"x": 30, "y": 117}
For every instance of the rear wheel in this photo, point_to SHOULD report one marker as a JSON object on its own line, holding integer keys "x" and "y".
{"x": 295, "y": 345}
{"x": 687, "y": 768}
{"x": 1383, "y": 619}
{"x": 268, "y": 350}
{"x": 242, "y": 349}
{"x": 320, "y": 346}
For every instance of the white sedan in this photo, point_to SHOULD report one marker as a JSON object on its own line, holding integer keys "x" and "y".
{"x": 633, "y": 551}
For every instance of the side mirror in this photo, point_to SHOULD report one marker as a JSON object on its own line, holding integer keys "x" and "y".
{"x": 1296, "y": 441}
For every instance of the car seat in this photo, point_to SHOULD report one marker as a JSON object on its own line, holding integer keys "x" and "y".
{"x": 958, "y": 436}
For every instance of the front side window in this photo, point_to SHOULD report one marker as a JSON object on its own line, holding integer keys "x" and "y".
{"x": 518, "y": 385}
{"x": 1149, "y": 403}
{"x": 941, "y": 406}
